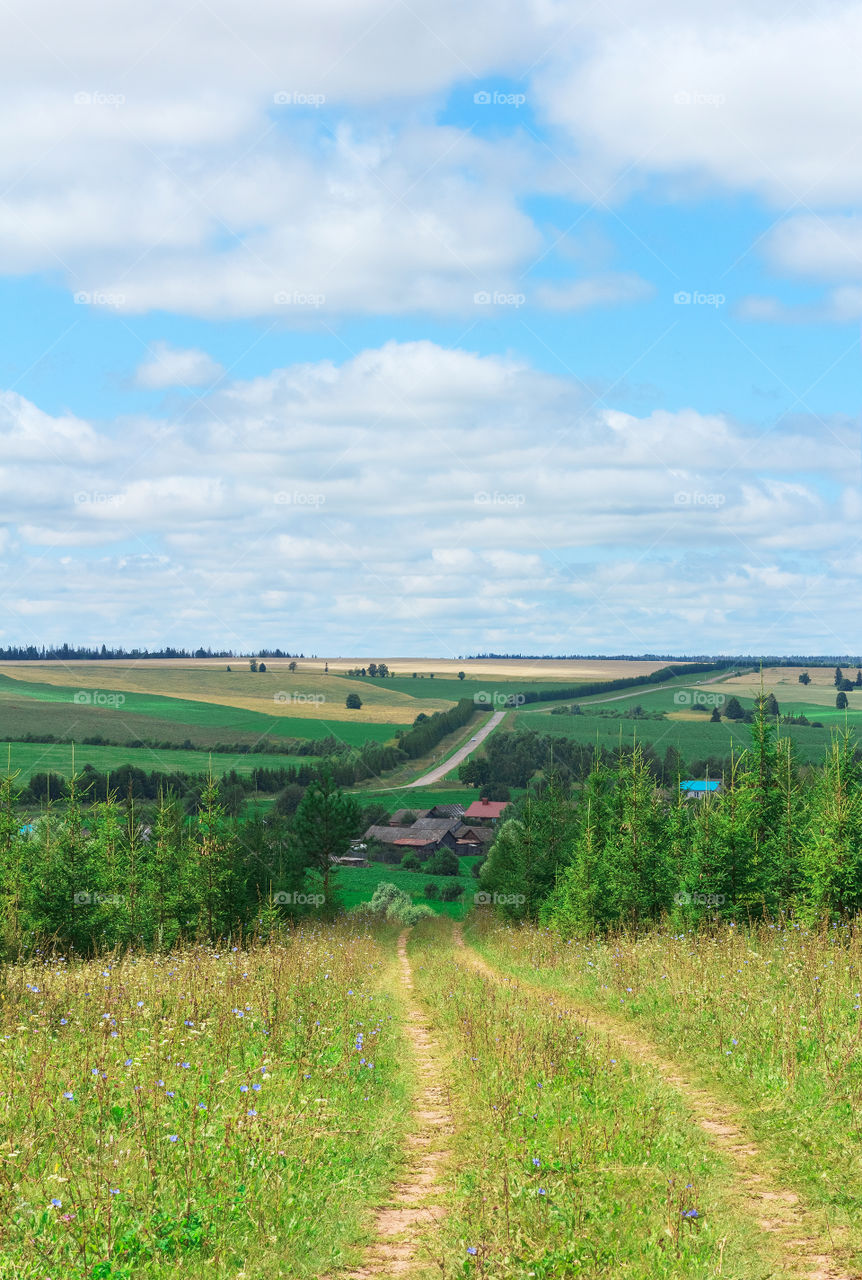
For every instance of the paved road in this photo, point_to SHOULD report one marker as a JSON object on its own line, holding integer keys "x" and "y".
{"x": 439, "y": 771}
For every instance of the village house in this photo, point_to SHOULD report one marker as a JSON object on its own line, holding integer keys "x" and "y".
{"x": 488, "y": 810}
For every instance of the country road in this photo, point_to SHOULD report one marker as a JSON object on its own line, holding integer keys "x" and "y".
{"x": 440, "y": 770}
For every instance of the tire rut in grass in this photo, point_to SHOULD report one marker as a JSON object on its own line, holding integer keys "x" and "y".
{"x": 776, "y": 1210}
{"x": 414, "y": 1203}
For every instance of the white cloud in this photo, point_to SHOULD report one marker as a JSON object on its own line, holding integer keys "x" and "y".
{"x": 171, "y": 367}
{"x": 761, "y": 97}
{"x": 424, "y": 499}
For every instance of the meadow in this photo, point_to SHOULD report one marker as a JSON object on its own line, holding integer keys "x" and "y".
{"x": 768, "y": 1017}
{"x": 218, "y": 1112}
{"x": 355, "y": 885}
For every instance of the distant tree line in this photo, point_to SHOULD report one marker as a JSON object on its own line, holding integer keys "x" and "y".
{"x": 79, "y": 653}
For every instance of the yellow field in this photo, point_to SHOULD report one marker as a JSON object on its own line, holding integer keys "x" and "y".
{"x": 784, "y": 683}
{"x": 276, "y": 692}
{"x": 502, "y": 668}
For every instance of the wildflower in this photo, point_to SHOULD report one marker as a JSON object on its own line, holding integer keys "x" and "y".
{"x": 69, "y": 1096}
{"x": 170, "y": 1094}
{"x": 243, "y": 1088}
{"x": 256, "y": 1088}
{"x": 115, "y": 1191}
{"x": 172, "y": 1137}
{"x": 252, "y": 1113}
{"x": 185, "y": 1066}
{"x": 62, "y": 1022}
{"x": 537, "y": 1162}
{"x": 128, "y": 1062}
{"x": 58, "y": 1204}
{"x": 471, "y": 1249}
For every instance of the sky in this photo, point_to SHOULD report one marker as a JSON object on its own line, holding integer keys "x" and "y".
{"x": 379, "y": 328}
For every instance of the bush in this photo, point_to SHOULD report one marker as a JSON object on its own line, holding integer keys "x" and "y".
{"x": 431, "y": 890}
{"x": 353, "y": 701}
{"x": 444, "y": 863}
{"x": 451, "y": 892}
{"x": 397, "y": 906}
{"x": 410, "y": 862}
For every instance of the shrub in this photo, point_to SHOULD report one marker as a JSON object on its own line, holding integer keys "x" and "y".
{"x": 431, "y": 890}
{"x": 444, "y": 863}
{"x": 410, "y": 862}
{"x": 451, "y": 892}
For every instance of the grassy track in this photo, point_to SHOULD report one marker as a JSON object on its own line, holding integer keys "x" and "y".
{"x": 203, "y": 1114}
{"x": 767, "y": 1020}
{"x": 569, "y": 1160}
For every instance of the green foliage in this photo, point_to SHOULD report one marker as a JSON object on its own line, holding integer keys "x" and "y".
{"x": 443, "y": 863}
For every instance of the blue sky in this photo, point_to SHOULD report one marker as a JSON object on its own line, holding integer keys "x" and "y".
{"x": 429, "y": 329}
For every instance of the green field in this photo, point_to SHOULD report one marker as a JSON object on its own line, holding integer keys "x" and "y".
{"x": 419, "y": 797}
{"x": 50, "y": 709}
{"x": 695, "y": 738}
{"x": 27, "y": 758}
{"x": 442, "y": 687}
{"x": 357, "y": 884}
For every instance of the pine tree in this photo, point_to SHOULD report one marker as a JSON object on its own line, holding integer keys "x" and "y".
{"x": 833, "y": 849}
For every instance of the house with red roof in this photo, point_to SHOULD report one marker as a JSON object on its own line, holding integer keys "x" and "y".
{"x": 491, "y": 809}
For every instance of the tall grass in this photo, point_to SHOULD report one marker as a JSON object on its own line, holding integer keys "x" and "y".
{"x": 568, "y": 1161}
{"x": 205, "y": 1112}
{"x": 770, "y": 1015}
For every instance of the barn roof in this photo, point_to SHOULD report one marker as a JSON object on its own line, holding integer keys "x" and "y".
{"x": 486, "y": 808}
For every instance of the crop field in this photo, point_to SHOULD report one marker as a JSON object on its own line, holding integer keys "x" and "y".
{"x": 26, "y": 758}
{"x": 277, "y": 692}
{"x": 31, "y": 706}
{"x": 603, "y": 720}
{"x": 465, "y": 1100}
